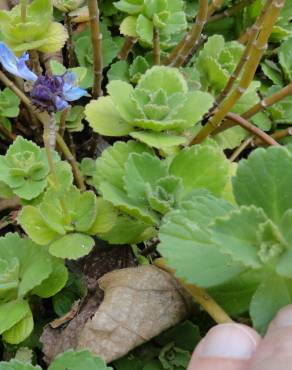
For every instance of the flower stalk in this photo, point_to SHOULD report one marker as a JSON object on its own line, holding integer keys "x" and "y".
{"x": 214, "y": 6}
{"x": 96, "y": 39}
{"x": 257, "y": 50}
{"x": 232, "y": 10}
{"x": 180, "y": 53}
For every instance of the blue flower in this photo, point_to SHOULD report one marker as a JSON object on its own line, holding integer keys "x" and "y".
{"x": 15, "y": 65}
{"x": 49, "y": 93}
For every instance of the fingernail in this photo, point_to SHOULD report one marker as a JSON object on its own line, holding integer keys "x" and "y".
{"x": 283, "y": 318}
{"x": 228, "y": 341}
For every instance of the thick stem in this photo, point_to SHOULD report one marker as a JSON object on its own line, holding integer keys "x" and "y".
{"x": 180, "y": 53}
{"x": 199, "y": 295}
{"x": 252, "y": 129}
{"x": 255, "y": 55}
{"x": 243, "y": 39}
{"x": 43, "y": 120}
{"x": 96, "y": 39}
{"x": 156, "y": 46}
{"x": 128, "y": 44}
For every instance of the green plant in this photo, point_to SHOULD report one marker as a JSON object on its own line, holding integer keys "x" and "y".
{"x": 65, "y": 220}
{"x": 24, "y": 169}
{"x": 209, "y": 241}
{"x": 37, "y": 31}
{"x": 25, "y": 270}
{"x": 144, "y": 187}
{"x": 146, "y": 15}
{"x": 156, "y": 112}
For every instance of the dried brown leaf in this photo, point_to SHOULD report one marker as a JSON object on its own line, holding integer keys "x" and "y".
{"x": 139, "y": 303}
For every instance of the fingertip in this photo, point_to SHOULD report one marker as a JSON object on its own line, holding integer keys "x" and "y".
{"x": 230, "y": 346}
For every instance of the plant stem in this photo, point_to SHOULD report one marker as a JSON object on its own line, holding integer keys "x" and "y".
{"x": 156, "y": 46}
{"x": 180, "y": 53}
{"x": 35, "y": 60}
{"x": 241, "y": 148}
{"x": 243, "y": 39}
{"x": 8, "y": 135}
{"x": 23, "y": 6}
{"x": 267, "y": 102}
{"x": 128, "y": 44}
{"x": 70, "y": 158}
{"x": 96, "y": 40}
{"x": 278, "y": 135}
{"x": 256, "y": 52}
{"x": 252, "y": 129}
{"x": 229, "y": 12}
{"x": 200, "y": 295}
{"x": 43, "y": 120}
{"x": 48, "y": 147}
{"x": 69, "y": 43}
{"x": 63, "y": 117}
{"x": 214, "y": 6}
{"x": 252, "y": 37}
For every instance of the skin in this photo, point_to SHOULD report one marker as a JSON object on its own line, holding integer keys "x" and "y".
{"x": 238, "y": 347}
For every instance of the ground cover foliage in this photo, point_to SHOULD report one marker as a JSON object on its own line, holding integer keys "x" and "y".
{"x": 137, "y": 133}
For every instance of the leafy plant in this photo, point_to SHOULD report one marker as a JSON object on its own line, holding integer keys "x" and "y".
{"x": 24, "y": 169}
{"x": 156, "y": 112}
{"x": 135, "y": 181}
{"x": 64, "y": 221}
{"x": 37, "y": 32}
{"x": 70, "y": 360}
{"x": 25, "y": 270}
{"x": 9, "y": 104}
{"x": 209, "y": 241}
{"x": 144, "y": 15}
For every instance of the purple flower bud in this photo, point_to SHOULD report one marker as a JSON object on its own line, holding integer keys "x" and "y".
{"x": 48, "y": 94}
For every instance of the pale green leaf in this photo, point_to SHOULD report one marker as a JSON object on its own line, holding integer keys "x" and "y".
{"x": 274, "y": 293}
{"x": 105, "y": 118}
{"x": 72, "y": 246}
{"x": 201, "y": 167}
{"x": 264, "y": 180}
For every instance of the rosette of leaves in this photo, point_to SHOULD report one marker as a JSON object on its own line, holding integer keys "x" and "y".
{"x": 243, "y": 252}
{"x": 144, "y": 15}
{"x": 24, "y": 169}
{"x": 65, "y": 220}
{"x": 157, "y": 111}
{"x": 143, "y": 187}
{"x": 38, "y": 32}
{"x": 25, "y": 270}
{"x": 70, "y": 360}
